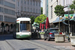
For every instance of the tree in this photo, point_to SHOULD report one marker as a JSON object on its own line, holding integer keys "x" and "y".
{"x": 32, "y": 19}
{"x": 71, "y": 12}
{"x": 41, "y": 10}
{"x": 2, "y": 25}
{"x": 72, "y": 6}
{"x": 59, "y": 11}
{"x": 41, "y": 18}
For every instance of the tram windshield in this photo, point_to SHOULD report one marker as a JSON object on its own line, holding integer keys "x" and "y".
{"x": 24, "y": 26}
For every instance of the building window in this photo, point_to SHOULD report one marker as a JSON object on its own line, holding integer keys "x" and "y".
{"x": 13, "y": 0}
{"x": 1, "y": 17}
{"x": 9, "y": 19}
{"x": 36, "y": 10}
{"x": 31, "y": 2}
{"x": 18, "y": 3}
{"x": 39, "y": 4}
{"x": 7, "y": 11}
{"x": 25, "y": 9}
{"x": 21, "y": 8}
{"x": 1, "y": 9}
{"x": 28, "y": 9}
{"x": 9, "y": 4}
{"x": 34, "y": 3}
{"x": 33, "y": 10}
{"x": 39, "y": 11}
{"x": 24, "y": 1}
{"x": 21, "y": 1}
{"x": 1, "y": 2}
{"x": 51, "y": 12}
{"x": 28, "y": 2}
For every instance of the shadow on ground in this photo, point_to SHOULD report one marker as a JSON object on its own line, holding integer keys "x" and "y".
{"x": 29, "y": 49}
{"x": 6, "y": 37}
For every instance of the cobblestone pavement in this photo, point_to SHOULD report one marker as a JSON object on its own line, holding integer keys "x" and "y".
{"x": 8, "y": 43}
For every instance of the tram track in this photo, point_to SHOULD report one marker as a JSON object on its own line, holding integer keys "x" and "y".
{"x": 40, "y": 45}
{"x": 21, "y": 44}
{"x": 26, "y": 44}
{"x": 9, "y": 44}
{"x": 46, "y": 46}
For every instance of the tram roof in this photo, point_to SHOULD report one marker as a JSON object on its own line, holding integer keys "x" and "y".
{"x": 24, "y": 19}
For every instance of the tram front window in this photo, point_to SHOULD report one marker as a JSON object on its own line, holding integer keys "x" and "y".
{"x": 24, "y": 26}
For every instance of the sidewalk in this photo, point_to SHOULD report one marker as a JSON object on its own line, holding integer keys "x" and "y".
{"x": 66, "y": 44}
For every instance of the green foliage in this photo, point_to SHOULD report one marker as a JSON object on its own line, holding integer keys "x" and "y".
{"x": 40, "y": 18}
{"x": 59, "y": 10}
{"x": 32, "y": 19}
{"x": 74, "y": 2}
{"x": 42, "y": 32}
{"x": 41, "y": 10}
{"x": 72, "y": 6}
{"x": 71, "y": 12}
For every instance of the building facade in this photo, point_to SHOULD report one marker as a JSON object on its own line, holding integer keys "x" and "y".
{"x": 45, "y": 7}
{"x": 51, "y": 14}
{"x": 28, "y": 8}
{"x": 51, "y": 7}
{"x": 54, "y": 20}
{"x": 7, "y": 13}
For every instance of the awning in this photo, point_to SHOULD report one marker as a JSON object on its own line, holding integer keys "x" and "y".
{"x": 56, "y": 19}
{"x": 73, "y": 17}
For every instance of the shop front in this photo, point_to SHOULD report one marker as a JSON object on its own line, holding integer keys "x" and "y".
{"x": 67, "y": 25}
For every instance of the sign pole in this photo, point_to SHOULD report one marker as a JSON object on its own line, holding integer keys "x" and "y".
{"x": 68, "y": 25}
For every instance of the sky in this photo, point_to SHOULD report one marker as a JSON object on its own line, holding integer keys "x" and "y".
{"x": 41, "y": 3}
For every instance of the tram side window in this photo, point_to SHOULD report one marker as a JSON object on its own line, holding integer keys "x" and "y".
{"x": 17, "y": 27}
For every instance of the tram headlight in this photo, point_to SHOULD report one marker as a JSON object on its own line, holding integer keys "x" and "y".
{"x": 30, "y": 33}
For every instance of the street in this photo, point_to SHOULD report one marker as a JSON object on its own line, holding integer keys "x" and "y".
{"x": 7, "y": 42}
